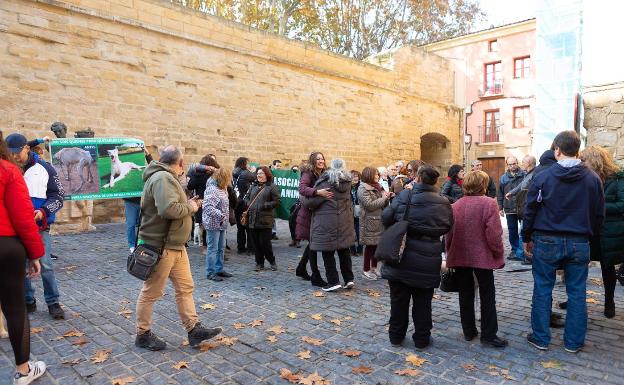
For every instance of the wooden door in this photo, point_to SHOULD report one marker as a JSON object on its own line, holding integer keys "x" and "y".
{"x": 495, "y": 168}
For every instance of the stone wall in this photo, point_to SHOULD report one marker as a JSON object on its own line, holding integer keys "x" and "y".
{"x": 166, "y": 74}
{"x": 604, "y": 117}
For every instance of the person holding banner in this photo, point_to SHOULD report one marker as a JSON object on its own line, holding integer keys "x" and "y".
{"x": 309, "y": 175}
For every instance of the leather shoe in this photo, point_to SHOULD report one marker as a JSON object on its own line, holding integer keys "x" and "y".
{"x": 224, "y": 274}
{"x": 495, "y": 342}
{"x": 471, "y": 336}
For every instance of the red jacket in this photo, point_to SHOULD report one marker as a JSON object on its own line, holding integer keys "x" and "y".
{"x": 476, "y": 239}
{"x": 17, "y": 214}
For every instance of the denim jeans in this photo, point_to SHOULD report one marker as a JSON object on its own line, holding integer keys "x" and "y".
{"x": 551, "y": 252}
{"x": 216, "y": 250}
{"x": 132, "y": 211}
{"x": 514, "y": 235}
{"x": 50, "y": 287}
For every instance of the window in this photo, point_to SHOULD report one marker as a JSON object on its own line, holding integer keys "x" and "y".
{"x": 493, "y": 79}
{"x": 492, "y": 45}
{"x": 522, "y": 67}
{"x": 521, "y": 116}
{"x": 491, "y": 126}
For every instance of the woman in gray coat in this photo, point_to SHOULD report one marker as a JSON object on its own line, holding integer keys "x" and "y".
{"x": 331, "y": 228}
{"x": 372, "y": 199}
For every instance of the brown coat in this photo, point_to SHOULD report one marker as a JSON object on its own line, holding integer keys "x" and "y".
{"x": 372, "y": 204}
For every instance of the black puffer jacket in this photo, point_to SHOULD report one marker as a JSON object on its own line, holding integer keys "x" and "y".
{"x": 451, "y": 190}
{"x": 430, "y": 217}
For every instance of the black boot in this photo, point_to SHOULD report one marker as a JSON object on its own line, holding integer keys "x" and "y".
{"x": 609, "y": 308}
{"x": 317, "y": 280}
{"x": 149, "y": 341}
{"x": 200, "y": 333}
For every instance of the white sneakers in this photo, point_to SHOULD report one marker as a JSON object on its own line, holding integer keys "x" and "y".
{"x": 35, "y": 370}
{"x": 349, "y": 285}
{"x": 370, "y": 275}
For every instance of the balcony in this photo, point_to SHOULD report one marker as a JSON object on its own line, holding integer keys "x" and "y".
{"x": 489, "y": 134}
{"x": 493, "y": 90}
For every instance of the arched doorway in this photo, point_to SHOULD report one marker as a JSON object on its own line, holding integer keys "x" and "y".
{"x": 435, "y": 149}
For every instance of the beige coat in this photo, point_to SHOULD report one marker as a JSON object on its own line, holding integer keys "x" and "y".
{"x": 372, "y": 204}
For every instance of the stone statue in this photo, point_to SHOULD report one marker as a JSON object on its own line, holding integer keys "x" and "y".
{"x": 59, "y": 129}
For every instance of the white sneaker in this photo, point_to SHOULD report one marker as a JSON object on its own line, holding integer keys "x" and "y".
{"x": 377, "y": 273}
{"x": 131, "y": 250}
{"x": 332, "y": 287}
{"x": 370, "y": 275}
{"x": 349, "y": 285}
{"x": 35, "y": 370}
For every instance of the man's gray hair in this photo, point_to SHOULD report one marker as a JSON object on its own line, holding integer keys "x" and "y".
{"x": 530, "y": 159}
{"x": 170, "y": 155}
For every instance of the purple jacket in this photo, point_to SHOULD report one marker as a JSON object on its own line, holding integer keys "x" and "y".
{"x": 306, "y": 189}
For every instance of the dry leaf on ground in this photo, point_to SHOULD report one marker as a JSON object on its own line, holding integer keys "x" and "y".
{"x": 215, "y": 295}
{"x": 101, "y": 356}
{"x": 408, "y": 372}
{"x": 596, "y": 281}
{"x": 289, "y": 376}
{"x": 185, "y": 343}
{"x": 181, "y": 365}
{"x": 204, "y": 346}
{"x": 208, "y": 306}
{"x": 350, "y": 353}
{"x": 277, "y": 329}
{"x": 256, "y": 322}
{"x": 80, "y": 341}
{"x": 317, "y": 317}
{"x": 123, "y": 381}
{"x": 336, "y": 321}
{"x": 227, "y": 341}
{"x": 125, "y": 301}
{"x": 362, "y": 370}
{"x": 319, "y": 294}
{"x": 591, "y": 292}
{"x": 125, "y": 313}
{"x": 304, "y": 355}
{"x": 312, "y": 341}
{"x": 73, "y": 333}
{"x": 415, "y": 360}
{"x": 314, "y": 379}
{"x": 239, "y": 325}
{"x": 75, "y": 361}
{"x": 292, "y": 315}
{"x": 552, "y": 364}
{"x": 35, "y": 330}
{"x": 470, "y": 367}
{"x": 592, "y": 300}
{"x": 373, "y": 293}
{"x": 272, "y": 339}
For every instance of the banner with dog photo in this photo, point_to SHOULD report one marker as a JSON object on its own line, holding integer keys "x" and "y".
{"x": 99, "y": 168}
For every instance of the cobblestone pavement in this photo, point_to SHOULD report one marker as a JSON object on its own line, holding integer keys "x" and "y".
{"x": 96, "y": 291}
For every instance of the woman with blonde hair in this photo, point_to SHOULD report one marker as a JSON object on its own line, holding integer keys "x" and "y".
{"x": 215, "y": 218}
{"x": 607, "y": 246}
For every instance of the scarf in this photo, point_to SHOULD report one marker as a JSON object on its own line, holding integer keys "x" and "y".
{"x": 458, "y": 182}
{"x": 377, "y": 186}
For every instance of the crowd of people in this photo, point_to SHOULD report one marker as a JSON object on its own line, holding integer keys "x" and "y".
{"x": 560, "y": 214}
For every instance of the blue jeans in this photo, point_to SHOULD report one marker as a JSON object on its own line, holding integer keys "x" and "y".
{"x": 50, "y": 288}
{"x": 132, "y": 221}
{"x": 514, "y": 235}
{"x": 216, "y": 250}
{"x": 571, "y": 253}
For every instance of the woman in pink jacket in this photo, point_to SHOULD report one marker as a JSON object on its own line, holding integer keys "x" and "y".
{"x": 474, "y": 246}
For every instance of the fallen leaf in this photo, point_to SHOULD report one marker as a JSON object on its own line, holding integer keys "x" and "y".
{"x": 101, "y": 356}
{"x": 239, "y": 325}
{"x": 227, "y": 341}
{"x": 125, "y": 301}
{"x": 314, "y": 379}
{"x": 596, "y": 281}
{"x": 272, "y": 339}
{"x": 80, "y": 341}
{"x": 277, "y": 329}
{"x": 289, "y": 376}
{"x": 204, "y": 346}
{"x": 215, "y": 295}
{"x": 208, "y": 306}
{"x": 256, "y": 322}
{"x": 347, "y": 318}
{"x": 304, "y": 355}
{"x": 104, "y": 277}
{"x": 318, "y": 294}
{"x": 181, "y": 365}
{"x": 312, "y": 341}
{"x": 350, "y": 353}
{"x": 469, "y": 367}
{"x": 35, "y": 330}
{"x": 185, "y": 343}
{"x": 415, "y": 360}
{"x": 72, "y": 362}
{"x": 123, "y": 381}
{"x": 408, "y": 372}
{"x": 493, "y": 373}
{"x": 362, "y": 370}
{"x": 317, "y": 317}
{"x": 591, "y": 292}
{"x": 125, "y": 313}
{"x": 552, "y": 364}
{"x": 73, "y": 333}
{"x": 372, "y": 293}
{"x": 336, "y": 321}
{"x": 591, "y": 300}
{"x": 492, "y": 367}
{"x": 292, "y": 315}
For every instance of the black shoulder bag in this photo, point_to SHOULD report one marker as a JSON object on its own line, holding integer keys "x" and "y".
{"x": 392, "y": 242}
{"x": 143, "y": 260}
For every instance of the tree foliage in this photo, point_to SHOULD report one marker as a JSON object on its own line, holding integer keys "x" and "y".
{"x": 356, "y": 28}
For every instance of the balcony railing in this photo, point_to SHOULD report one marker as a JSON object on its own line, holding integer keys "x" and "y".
{"x": 492, "y": 90}
{"x": 490, "y": 133}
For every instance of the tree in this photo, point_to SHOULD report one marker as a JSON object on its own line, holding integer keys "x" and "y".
{"x": 357, "y": 28}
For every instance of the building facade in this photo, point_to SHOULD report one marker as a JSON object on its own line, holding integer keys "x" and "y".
{"x": 495, "y": 84}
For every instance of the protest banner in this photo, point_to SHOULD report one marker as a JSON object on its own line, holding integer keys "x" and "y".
{"x": 99, "y": 168}
{"x": 288, "y": 182}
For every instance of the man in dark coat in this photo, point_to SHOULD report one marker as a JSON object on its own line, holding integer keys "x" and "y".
{"x": 477, "y": 165}
{"x": 508, "y": 181}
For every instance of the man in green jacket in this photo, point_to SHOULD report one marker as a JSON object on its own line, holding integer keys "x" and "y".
{"x": 166, "y": 223}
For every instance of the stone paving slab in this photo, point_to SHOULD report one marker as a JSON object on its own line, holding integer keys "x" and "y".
{"x": 96, "y": 291}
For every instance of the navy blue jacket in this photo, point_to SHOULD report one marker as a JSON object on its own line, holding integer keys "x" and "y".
{"x": 564, "y": 200}
{"x": 44, "y": 187}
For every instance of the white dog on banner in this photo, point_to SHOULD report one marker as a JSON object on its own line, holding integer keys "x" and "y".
{"x": 119, "y": 169}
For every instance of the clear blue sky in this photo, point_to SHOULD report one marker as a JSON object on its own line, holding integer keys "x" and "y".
{"x": 501, "y": 12}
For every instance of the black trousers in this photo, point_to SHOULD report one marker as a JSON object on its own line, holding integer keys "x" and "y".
{"x": 311, "y": 256}
{"x": 12, "y": 296}
{"x": 487, "y": 294}
{"x": 609, "y": 279}
{"x": 344, "y": 256}
{"x": 243, "y": 236}
{"x": 261, "y": 239}
{"x": 400, "y": 295}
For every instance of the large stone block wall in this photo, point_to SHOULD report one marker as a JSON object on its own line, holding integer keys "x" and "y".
{"x": 604, "y": 117}
{"x": 169, "y": 75}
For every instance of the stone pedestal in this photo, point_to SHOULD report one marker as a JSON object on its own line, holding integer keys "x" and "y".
{"x": 74, "y": 217}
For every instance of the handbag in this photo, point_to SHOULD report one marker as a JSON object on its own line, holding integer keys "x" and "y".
{"x": 392, "y": 242}
{"x": 244, "y": 220}
{"x": 448, "y": 281}
{"x": 144, "y": 258}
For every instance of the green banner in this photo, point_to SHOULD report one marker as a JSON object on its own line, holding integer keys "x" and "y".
{"x": 99, "y": 168}
{"x": 288, "y": 182}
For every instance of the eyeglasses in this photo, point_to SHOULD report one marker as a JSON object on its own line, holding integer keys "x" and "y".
{"x": 512, "y": 164}
{"x": 410, "y": 169}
